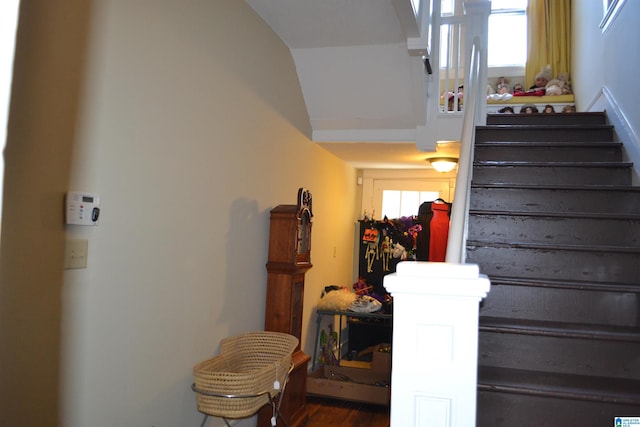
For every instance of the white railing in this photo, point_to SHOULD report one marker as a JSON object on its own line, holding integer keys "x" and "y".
{"x": 476, "y": 30}
{"x": 459, "y": 212}
{"x": 459, "y": 54}
{"x": 451, "y": 63}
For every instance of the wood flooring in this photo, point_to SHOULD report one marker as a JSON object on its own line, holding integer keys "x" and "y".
{"x": 333, "y": 412}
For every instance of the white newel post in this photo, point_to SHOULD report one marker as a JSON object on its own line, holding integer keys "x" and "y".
{"x": 435, "y": 343}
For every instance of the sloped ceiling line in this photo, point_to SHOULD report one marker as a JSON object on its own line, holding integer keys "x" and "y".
{"x": 359, "y": 81}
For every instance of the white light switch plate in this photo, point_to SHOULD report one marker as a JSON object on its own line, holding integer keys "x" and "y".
{"x": 75, "y": 253}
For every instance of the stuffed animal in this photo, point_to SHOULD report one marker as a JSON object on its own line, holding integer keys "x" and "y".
{"x": 542, "y": 78}
{"x": 566, "y": 88}
{"x": 554, "y": 87}
{"x": 558, "y": 86}
{"x": 336, "y": 298}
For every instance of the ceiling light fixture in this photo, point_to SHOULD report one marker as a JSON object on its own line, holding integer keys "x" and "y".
{"x": 443, "y": 164}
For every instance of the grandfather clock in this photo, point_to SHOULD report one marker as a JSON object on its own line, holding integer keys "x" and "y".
{"x": 289, "y": 260}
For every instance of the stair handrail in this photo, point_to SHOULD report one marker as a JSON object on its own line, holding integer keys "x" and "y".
{"x": 457, "y": 239}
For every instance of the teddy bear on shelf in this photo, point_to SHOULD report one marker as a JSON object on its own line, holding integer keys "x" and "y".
{"x": 558, "y": 86}
{"x": 554, "y": 87}
{"x": 566, "y": 87}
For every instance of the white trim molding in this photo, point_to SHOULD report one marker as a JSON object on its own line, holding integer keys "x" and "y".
{"x": 624, "y": 132}
{"x": 611, "y": 9}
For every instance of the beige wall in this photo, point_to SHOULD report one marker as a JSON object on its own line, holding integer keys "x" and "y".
{"x": 188, "y": 120}
{"x": 47, "y": 82}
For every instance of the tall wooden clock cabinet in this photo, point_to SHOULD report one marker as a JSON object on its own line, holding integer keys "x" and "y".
{"x": 289, "y": 260}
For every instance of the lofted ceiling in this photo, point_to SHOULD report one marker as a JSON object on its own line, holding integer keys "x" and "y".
{"x": 364, "y": 92}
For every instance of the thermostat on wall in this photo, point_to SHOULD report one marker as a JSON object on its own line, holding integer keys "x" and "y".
{"x": 82, "y": 208}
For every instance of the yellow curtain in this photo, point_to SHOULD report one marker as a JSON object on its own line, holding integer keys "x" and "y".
{"x": 549, "y": 38}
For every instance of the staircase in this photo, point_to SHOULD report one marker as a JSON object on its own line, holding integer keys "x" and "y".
{"x": 555, "y": 224}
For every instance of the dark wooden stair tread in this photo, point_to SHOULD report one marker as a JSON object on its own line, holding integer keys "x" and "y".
{"x": 567, "y": 284}
{"x": 564, "y": 386}
{"x": 559, "y": 214}
{"x": 544, "y": 127}
{"x": 561, "y": 144}
{"x": 621, "y": 188}
{"x": 559, "y": 329}
{"x": 544, "y": 246}
{"x": 551, "y": 164}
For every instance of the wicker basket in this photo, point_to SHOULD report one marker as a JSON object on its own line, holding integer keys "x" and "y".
{"x": 240, "y": 380}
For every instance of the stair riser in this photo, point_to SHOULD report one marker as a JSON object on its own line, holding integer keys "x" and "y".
{"x": 506, "y": 410}
{"x": 587, "y": 134}
{"x": 547, "y": 119}
{"x": 542, "y": 154}
{"x": 563, "y": 305}
{"x": 550, "y": 200}
{"x": 551, "y": 175}
{"x": 560, "y": 355}
{"x": 560, "y": 264}
{"x": 554, "y": 230}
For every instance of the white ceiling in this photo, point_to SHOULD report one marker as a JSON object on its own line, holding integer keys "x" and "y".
{"x": 376, "y": 155}
{"x": 364, "y": 92}
{"x": 306, "y": 24}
